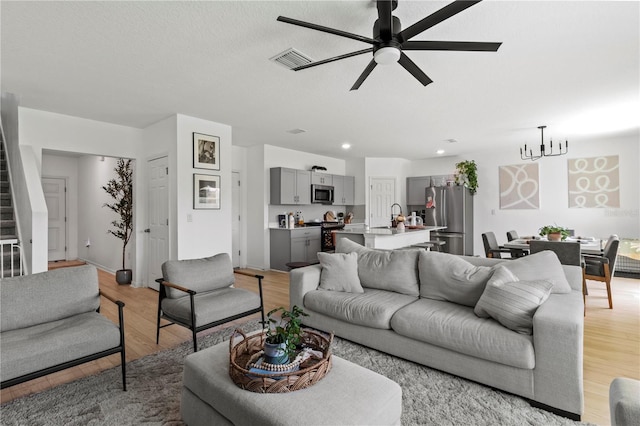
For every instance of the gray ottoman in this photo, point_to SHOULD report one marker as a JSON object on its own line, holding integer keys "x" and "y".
{"x": 624, "y": 402}
{"x": 348, "y": 395}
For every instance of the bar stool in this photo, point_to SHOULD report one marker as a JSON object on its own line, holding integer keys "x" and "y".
{"x": 434, "y": 245}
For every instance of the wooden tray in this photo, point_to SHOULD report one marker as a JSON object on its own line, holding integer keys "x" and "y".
{"x": 247, "y": 350}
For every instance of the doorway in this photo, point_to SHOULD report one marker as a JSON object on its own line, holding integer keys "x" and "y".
{"x": 55, "y": 196}
{"x": 382, "y": 195}
{"x": 236, "y": 217}
{"x": 158, "y": 218}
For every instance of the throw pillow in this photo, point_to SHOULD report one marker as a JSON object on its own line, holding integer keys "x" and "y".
{"x": 340, "y": 272}
{"x": 448, "y": 277}
{"x": 392, "y": 270}
{"x": 542, "y": 265}
{"x": 512, "y": 302}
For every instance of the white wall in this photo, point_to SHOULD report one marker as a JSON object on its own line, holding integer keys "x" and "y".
{"x": 209, "y": 232}
{"x": 598, "y": 222}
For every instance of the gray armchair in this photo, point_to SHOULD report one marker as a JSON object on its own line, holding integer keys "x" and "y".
{"x": 198, "y": 294}
{"x": 601, "y": 268}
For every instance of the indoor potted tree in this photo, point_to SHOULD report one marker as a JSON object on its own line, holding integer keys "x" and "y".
{"x": 467, "y": 174}
{"x": 554, "y": 232}
{"x": 120, "y": 189}
{"x": 284, "y": 334}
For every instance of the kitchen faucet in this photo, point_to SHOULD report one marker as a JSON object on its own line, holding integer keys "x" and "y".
{"x": 393, "y": 218}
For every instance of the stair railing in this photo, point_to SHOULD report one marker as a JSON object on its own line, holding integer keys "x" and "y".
{"x": 11, "y": 247}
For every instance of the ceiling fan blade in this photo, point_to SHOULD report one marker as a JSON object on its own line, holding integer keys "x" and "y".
{"x": 410, "y": 66}
{"x": 385, "y": 19}
{"x": 364, "y": 75}
{"x": 435, "y": 18}
{"x": 335, "y": 58}
{"x": 466, "y": 46}
{"x": 326, "y": 30}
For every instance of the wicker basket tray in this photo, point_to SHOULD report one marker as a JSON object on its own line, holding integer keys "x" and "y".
{"x": 249, "y": 349}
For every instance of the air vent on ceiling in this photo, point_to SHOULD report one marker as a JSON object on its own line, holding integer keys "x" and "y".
{"x": 296, "y": 131}
{"x": 291, "y": 58}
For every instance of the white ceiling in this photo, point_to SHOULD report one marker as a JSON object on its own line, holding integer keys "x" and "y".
{"x": 134, "y": 63}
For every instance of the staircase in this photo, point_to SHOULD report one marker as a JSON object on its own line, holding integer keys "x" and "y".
{"x": 10, "y": 254}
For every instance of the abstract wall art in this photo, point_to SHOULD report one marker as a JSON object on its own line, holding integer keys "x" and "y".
{"x": 519, "y": 187}
{"x": 594, "y": 182}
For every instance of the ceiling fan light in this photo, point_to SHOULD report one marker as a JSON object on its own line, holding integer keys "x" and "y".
{"x": 386, "y": 55}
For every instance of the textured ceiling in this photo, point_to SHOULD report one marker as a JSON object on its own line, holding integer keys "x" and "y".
{"x": 133, "y": 63}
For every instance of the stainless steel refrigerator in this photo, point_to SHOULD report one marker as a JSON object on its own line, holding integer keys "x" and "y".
{"x": 451, "y": 206}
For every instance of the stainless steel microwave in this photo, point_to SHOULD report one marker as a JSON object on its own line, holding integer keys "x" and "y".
{"x": 321, "y": 194}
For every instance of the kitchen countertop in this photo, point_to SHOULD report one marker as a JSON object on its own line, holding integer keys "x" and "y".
{"x": 388, "y": 231}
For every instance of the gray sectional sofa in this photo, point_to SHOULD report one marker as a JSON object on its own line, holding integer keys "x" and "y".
{"x": 513, "y": 325}
{"x": 50, "y": 321}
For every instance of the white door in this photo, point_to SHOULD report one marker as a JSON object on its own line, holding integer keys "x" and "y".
{"x": 382, "y": 195}
{"x": 55, "y": 196}
{"x": 158, "y": 218}
{"x": 236, "y": 206}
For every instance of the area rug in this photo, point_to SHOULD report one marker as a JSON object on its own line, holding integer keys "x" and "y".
{"x": 430, "y": 397}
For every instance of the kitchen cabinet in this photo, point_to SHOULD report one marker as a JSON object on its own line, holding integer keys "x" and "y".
{"x": 344, "y": 188}
{"x": 290, "y": 186}
{"x": 416, "y": 190}
{"x": 321, "y": 179}
{"x": 294, "y": 245}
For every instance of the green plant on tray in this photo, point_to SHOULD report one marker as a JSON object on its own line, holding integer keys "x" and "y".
{"x": 287, "y": 329}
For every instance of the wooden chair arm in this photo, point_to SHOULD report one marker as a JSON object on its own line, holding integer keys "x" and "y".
{"x": 106, "y": 296}
{"x": 248, "y": 274}
{"x": 176, "y": 286}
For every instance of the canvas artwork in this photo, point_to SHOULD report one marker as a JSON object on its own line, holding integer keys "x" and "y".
{"x": 519, "y": 187}
{"x": 594, "y": 182}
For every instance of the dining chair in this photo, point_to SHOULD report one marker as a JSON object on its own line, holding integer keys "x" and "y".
{"x": 601, "y": 268}
{"x": 491, "y": 247}
{"x": 199, "y": 294}
{"x": 513, "y": 235}
{"x": 568, "y": 252}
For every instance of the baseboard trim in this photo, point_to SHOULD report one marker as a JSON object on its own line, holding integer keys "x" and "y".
{"x": 563, "y": 413}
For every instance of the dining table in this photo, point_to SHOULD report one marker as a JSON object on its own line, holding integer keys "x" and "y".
{"x": 588, "y": 245}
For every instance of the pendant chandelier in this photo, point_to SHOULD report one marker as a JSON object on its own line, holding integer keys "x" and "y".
{"x": 528, "y": 154}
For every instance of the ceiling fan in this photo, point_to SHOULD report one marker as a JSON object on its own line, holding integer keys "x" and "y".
{"x": 390, "y": 40}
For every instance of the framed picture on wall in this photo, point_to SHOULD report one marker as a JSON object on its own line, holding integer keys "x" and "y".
{"x": 206, "y": 192}
{"x": 206, "y": 151}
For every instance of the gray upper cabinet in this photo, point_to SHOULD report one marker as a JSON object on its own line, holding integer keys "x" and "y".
{"x": 290, "y": 186}
{"x": 344, "y": 190}
{"x": 416, "y": 190}
{"x": 321, "y": 179}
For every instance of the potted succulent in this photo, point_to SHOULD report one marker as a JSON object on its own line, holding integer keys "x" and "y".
{"x": 554, "y": 232}
{"x": 284, "y": 334}
{"x": 120, "y": 189}
{"x": 467, "y": 174}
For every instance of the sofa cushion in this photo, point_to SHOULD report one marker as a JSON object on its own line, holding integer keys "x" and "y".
{"x": 340, "y": 272}
{"x": 542, "y": 265}
{"x": 48, "y": 296}
{"x": 512, "y": 302}
{"x": 393, "y": 270}
{"x": 457, "y": 328}
{"x": 212, "y": 306}
{"x": 449, "y": 277}
{"x": 373, "y": 308}
{"x": 31, "y": 349}
{"x": 199, "y": 275}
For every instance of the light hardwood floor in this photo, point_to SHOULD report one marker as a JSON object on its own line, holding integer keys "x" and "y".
{"x": 611, "y": 341}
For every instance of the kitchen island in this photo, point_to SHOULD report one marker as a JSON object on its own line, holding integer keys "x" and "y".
{"x": 387, "y": 238}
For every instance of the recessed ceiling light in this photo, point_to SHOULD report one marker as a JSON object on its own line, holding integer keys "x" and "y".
{"x": 346, "y": 145}
{"x": 440, "y": 151}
